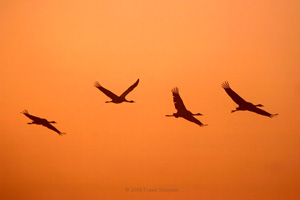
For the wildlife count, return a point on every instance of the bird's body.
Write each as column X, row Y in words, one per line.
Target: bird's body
column 244, row 105
column 182, row 111
column 114, row 97
column 41, row 121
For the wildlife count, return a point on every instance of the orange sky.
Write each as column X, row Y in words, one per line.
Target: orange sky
column 52, row 52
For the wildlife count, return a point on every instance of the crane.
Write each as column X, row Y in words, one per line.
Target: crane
column 181, row 109
column 114, row 97
column 41, row 121
column 244, row 105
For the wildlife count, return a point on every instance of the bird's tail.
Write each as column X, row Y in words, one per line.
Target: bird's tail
column 61, row 134
column 273, row 115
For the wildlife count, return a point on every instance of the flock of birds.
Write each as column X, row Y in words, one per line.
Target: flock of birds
column 182, row 111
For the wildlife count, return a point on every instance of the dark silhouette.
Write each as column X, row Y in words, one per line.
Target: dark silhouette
column 182, row 111
column 40, row 121
column 115, row 98
column 244, row 105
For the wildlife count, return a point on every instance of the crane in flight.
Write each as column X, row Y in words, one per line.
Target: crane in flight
column 115, row 98
column 244, row 105
column 182, row 111
column 41, row 121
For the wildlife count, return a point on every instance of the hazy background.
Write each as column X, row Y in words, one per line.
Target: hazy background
column 52, row 52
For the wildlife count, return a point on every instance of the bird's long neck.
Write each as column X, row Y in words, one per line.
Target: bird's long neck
column 174, row 115
column 129, row 101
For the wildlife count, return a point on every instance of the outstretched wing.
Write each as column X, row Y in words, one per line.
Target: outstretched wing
column 34, row 118
column 234, row 96
column 48, row 125
column 262, row 112
column 105, row 91
column 193, row 119
column 179, row 105
column 130, row 88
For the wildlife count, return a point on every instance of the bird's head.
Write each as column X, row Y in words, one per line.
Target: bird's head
column 53, row 122
column 131, row 101
column 259, row 105
column 199, row 114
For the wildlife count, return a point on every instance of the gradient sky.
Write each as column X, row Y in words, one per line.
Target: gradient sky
column 52, row 52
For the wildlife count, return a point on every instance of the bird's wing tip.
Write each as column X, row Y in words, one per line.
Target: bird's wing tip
column 137, row 82
column 97, row 84
column 175, row 90
column 25, row 111
column 225, row 85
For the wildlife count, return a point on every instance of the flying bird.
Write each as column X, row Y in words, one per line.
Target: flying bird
column 114, row 97
column 244, row 105
column 41, row 121
column 181, row 109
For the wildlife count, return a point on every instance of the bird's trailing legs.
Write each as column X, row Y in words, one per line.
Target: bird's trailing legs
column 170, row 116
column 259, row 105
column 199, row 114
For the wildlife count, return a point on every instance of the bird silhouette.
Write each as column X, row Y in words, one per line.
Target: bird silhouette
column 244, row 105
column 41, row 121
column 181, row 109
column 114, row 97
